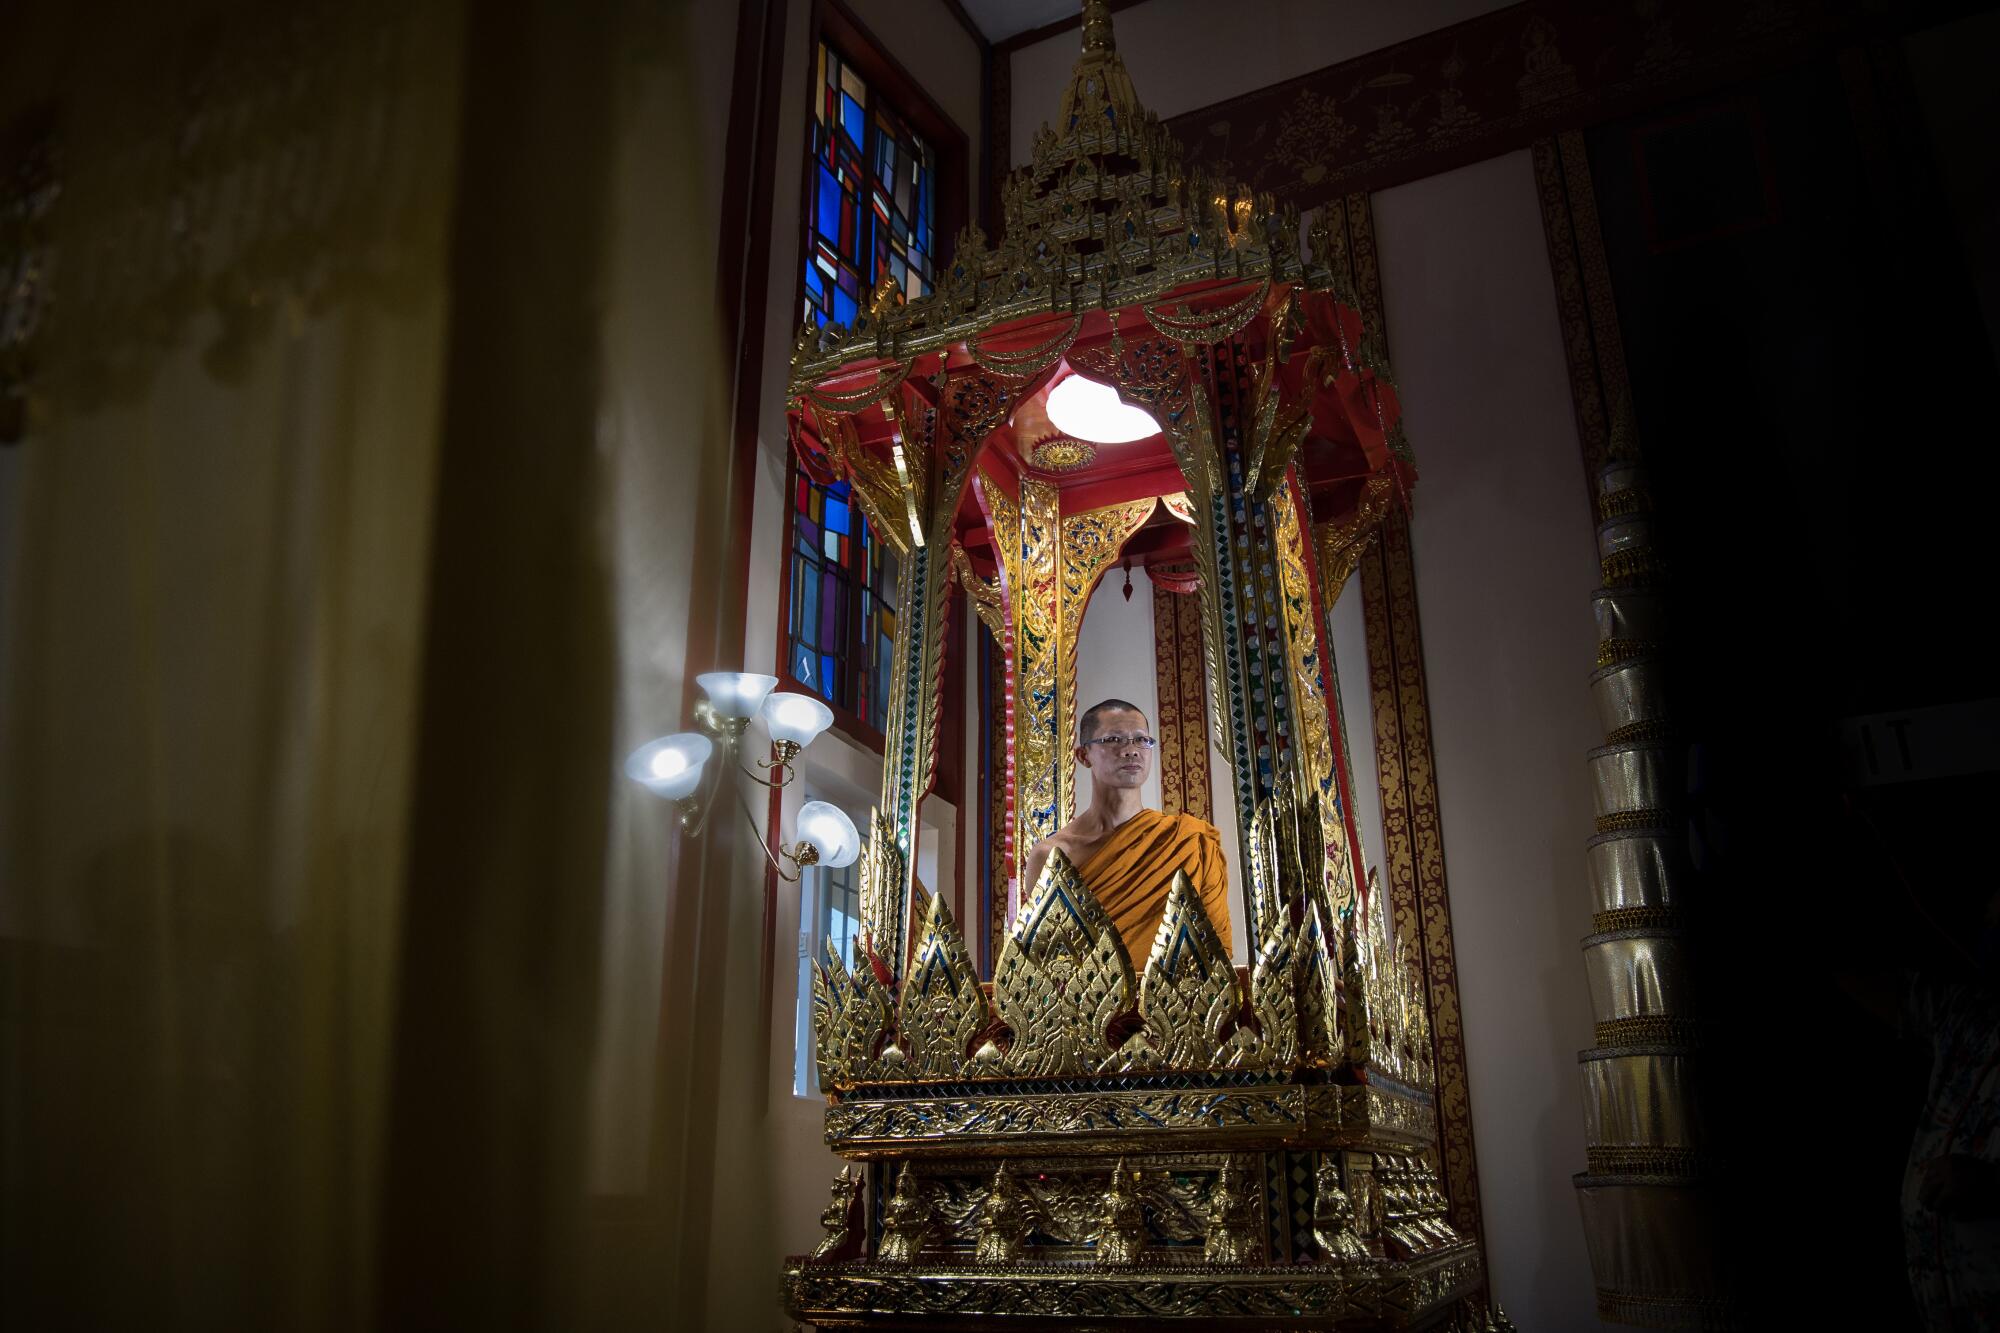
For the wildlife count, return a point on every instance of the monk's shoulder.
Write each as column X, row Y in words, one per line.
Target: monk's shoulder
column 1070, row 839
column 1194, row 826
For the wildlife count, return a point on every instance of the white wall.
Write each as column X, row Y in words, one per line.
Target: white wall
column 1357, row 715
column 1185, row 54
column 1505, row 565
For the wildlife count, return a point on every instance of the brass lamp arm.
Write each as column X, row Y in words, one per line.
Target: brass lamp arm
column 801, row 856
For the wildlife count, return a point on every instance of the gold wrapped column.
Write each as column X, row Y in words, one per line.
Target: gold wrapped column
column 1645, row 1213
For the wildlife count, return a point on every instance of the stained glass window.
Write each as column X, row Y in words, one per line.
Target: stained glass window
column 842, row 619
column 869, row 208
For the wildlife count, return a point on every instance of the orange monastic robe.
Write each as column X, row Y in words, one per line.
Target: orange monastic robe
column 1130, row 874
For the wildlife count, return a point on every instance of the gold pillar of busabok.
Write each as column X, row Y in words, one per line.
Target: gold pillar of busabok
column 1050, row 561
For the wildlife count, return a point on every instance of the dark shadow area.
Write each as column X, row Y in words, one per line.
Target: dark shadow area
column 1809, row 368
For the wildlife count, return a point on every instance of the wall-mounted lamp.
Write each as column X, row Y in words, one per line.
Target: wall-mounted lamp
column 675, row 766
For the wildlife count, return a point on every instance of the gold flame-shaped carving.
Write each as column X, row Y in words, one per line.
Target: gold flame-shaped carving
column 880, row 870
column 1274, row 999
column 1062, row 977
column 1321, row 1040
column 1360, row 995
column 1188, row 994
column 942, row 1006
column 851, row 1013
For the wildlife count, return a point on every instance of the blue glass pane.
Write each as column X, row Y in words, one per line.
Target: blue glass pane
column 836, row 515
column 826, row 673
column 833, row 547
column 844, row 307
column 850, row 117
column 802, row 665
column 813, row 283
column 827, row 213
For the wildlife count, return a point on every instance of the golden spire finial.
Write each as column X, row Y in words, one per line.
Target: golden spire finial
column 1100, row 100
column 1097, row 38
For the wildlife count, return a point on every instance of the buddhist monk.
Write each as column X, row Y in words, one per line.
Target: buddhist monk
column 1126, row 853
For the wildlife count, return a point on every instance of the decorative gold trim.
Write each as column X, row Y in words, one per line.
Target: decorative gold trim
column 1142, row 1119
column 1632, row 566
column 1178, row 659
column 1610, row 652
column 1626, row 500
column 887, row 381
column 1624, row 820
column 1313, row 724
column 1041, row 775
column 1399, row 1296
column 1647, row 1161
column 1062, row 454
column 1029, row 362
column 1211, row 326
column 987, row 602
column 1341, row 545
column 1413, row 852
column 1634, row 918
column 1647, row 1030
column 910, row 452
column 873, row 481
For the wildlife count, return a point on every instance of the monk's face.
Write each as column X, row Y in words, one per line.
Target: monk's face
column 1116, row 765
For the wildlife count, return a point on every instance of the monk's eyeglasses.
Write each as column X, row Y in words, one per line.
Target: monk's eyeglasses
column 1118, row 742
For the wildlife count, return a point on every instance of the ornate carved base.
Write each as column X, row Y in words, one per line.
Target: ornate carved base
column 1360, row 1294
column 1147, row 1204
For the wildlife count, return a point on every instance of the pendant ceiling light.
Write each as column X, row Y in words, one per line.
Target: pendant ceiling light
column 1092, row 411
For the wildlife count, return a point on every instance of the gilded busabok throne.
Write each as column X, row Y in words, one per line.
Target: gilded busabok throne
column 1118, row 1141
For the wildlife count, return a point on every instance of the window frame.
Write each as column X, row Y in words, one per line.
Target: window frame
column 833, row 25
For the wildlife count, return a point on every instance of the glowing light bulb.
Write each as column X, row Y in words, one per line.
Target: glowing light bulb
column 797, row 718
column 1091, row 411
column 670, row 766
column 829, row 830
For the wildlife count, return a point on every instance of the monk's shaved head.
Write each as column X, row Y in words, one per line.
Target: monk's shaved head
column 1086, row 727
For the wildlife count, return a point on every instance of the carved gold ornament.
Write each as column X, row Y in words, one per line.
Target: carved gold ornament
column 841, row 1220
column 1062, row 977
column 942, row 1006
column 1188, row 994
column 907, row 1222
column 987, row 601
column 1063, row 454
